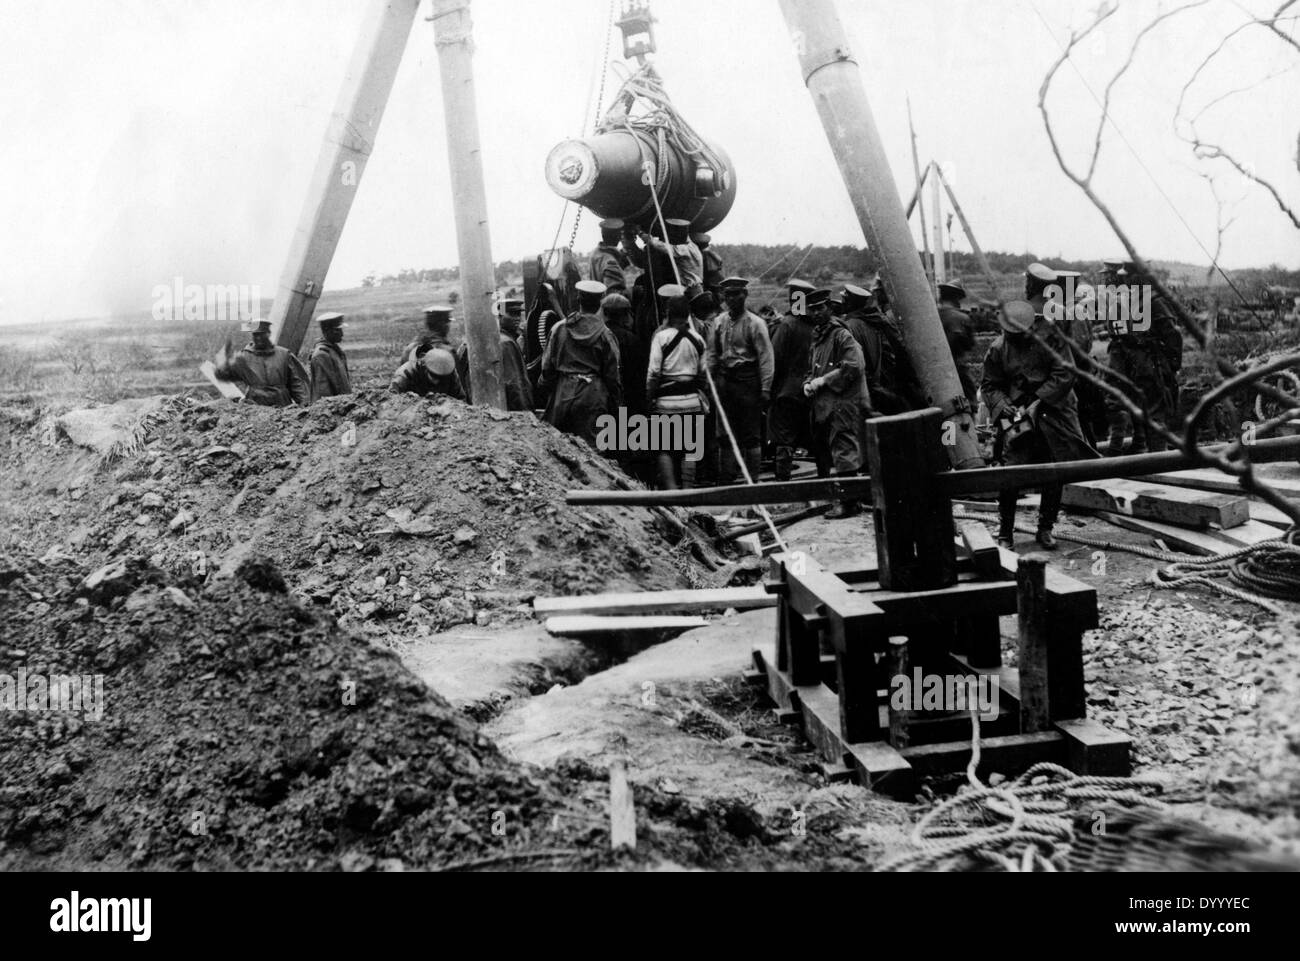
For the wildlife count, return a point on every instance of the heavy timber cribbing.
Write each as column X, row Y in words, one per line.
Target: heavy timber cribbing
column 984, row 480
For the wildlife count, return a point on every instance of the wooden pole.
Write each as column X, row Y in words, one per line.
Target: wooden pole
column 349, row 139
column 452, row 30
column 920, row 206
column 916, row 194
column 980, row 259
column 986, row 480
column 936, row 208
column 835, row 85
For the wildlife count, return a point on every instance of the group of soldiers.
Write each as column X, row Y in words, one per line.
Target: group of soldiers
column 1041, row 382
column 808, row 379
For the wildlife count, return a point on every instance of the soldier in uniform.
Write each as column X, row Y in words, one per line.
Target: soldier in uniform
column 683, row 252
column 713, row 276
column 740, row 359
column 514, row 374
column 675, row 382
column 789, row 420
column 1030, row 397
column 893, row 385
column 329, row 364
column 836, row 388
column 957, row 329
column 272, row 376
column 580, row 370
column 436, row 333
column 1149, row 359
column 430, row 370
column 608, row 262
column 656, row 269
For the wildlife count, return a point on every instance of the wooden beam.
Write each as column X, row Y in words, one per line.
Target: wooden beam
column 1208, row 479
column 582, row 626
column 1031, row 583
column 657, row 602
column 1092, row 750
column 1249, row 534
column 983, row 480
column 983, row 550
column 1178, row 538
column 1010, row 754
column 1183, row 506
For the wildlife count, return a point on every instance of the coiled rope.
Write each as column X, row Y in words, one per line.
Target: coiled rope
column 1025, row 825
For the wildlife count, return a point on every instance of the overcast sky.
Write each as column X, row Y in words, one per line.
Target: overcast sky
column 147, row 139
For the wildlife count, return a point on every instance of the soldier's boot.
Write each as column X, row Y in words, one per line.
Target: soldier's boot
column 783, row 463
column 1007, row 519
column 753, row 461
column 1048, row 511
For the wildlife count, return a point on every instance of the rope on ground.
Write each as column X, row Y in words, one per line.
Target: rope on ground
column 1025, row 825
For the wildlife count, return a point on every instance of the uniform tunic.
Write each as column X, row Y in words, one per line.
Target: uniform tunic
column 741, row 361
column 580, row 375
column 274, row 377
column 607, row 265
column 329, row 371
column 789, row 421
column 840, row 403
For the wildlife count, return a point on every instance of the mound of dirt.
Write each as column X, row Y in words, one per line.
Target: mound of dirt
column 401, row 514
column 235, row 729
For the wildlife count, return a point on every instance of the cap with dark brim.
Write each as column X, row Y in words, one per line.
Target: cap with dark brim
column 735, row 283
column 795, row 283
column 256, row 327
column 592, row 288
column 1041, row 272
column 437, row 311
column 955, row 289
column 331, row 320
column 671, row 290
column 816, row 298
column 612, row 224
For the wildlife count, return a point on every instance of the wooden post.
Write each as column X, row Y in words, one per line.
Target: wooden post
column 936, row 209
column 913, row 519
column 928, row 258
column 855, row 674
column 834, row 82
column 805, row 638
column 340, row 165
column 898, row 667
column 622, row 810
column 980, row 259
column 1031, row 582
column 452, row 30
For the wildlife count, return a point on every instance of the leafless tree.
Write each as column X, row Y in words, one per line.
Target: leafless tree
column 1235, row 460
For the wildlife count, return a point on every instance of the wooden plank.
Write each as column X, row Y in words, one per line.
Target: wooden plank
column 584, row 625
column 983, row 551
column 658, row 602
column 1178, row 538
column 622, row 811
column 1249, row 534
column 1010, row 754
column 882, row 769
column 1268, row 514
column 1091, row 749
column 1186, row 507
column 1208, row 479
column 1034, row 627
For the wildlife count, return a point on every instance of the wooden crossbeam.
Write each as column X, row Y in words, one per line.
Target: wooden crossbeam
column 582, row 626
column 1186, row 507
column 657, row 602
